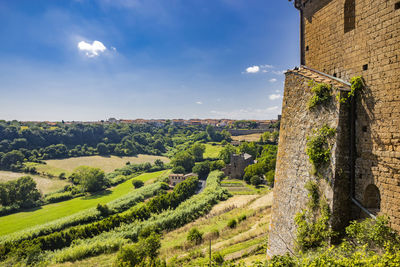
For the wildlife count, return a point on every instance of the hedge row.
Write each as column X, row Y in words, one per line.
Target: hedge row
column 86, row 216
column 142, row 211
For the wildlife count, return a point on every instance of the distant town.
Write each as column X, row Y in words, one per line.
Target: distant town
column 222, row 123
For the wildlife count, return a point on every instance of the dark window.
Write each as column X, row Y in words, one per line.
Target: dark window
column 349, row 15
column 397, row 6
column 365, row 67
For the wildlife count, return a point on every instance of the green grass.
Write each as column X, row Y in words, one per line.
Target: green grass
column 22, row 220
column 212, row 151
column 107, row 163
column 240, row 187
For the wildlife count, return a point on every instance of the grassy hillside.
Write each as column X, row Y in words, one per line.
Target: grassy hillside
column 45, row 185
column 22, row 220
column 242, row 244
column 245, row 240
column 107, row 163
column 212, row 151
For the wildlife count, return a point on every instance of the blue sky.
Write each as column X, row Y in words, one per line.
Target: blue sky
column 95, row 59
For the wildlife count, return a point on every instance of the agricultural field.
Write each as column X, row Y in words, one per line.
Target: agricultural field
column 244, row 243
column 23, row 220
column 107, row 163
column 212, row 151
column 44, row 185
column 247, row 239
column 240, row 187
column 248, row 137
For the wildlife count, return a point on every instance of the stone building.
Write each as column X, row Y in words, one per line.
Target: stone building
column 341, row 39
column 235, row 169
column 176, row 178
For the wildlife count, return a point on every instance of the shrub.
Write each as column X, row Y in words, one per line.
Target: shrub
column 143, row 253
column 242, row 218
column 58, row 197
column 270, row 177
column 255, row 180
column 137, row 183
column 178, row 169
column 218, row 258
column 103, row 209
column 195, row 236
column 202, row 169
column 62, row 176
column 232, row 223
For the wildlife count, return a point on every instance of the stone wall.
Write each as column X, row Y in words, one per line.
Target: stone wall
column 371, row 49
column 293, row 168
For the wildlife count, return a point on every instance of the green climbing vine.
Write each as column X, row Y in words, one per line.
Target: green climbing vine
column 318, row 149
column 322, row 93
column 313, row 228
column 357, row 84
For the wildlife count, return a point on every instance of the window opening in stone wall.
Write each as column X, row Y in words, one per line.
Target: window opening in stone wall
column 372, row 199
column 397, row 6
column 349, row 15
column 365, row 67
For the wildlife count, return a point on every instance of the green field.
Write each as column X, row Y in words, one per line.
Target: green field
column 212, row 151
column 22, row 220
column 107, row 163
column 240, row 187
column 45, row 185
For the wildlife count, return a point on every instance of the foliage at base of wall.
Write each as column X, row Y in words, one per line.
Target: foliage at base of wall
column 367, row 243
column 313, row 229
column 322, row 94
column 318, row 148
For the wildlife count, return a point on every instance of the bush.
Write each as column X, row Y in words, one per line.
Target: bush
column 270, row 177
column 195, row 236
column 137, row 183
column 202, row 169
column 255, row 180
column 178, row 169
column 218, row 258
column 242, row 218
column 62, row 176
column 103, row 209
column 58, row 197
column 232, row 223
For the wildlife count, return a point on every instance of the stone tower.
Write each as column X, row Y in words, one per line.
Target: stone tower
column 341, row 39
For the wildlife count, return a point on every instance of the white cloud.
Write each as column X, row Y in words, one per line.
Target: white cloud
column 275, row 96
column 264, row 71
column 199, row 103
column 272, row 80
column 253, row 69
column 266, row 66
column 258, row 114
column 92, row 50
column 278, row 72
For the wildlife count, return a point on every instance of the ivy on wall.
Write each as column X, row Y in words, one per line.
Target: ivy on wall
column 357, row 84
column 318, row 149
column 322, row 93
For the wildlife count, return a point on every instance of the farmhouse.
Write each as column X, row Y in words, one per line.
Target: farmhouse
column 176, row 178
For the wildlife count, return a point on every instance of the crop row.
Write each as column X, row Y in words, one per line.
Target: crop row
column 186, row 212
column 85, row 216
column 58, row 240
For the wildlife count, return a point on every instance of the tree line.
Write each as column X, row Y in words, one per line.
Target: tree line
column 34, row 142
